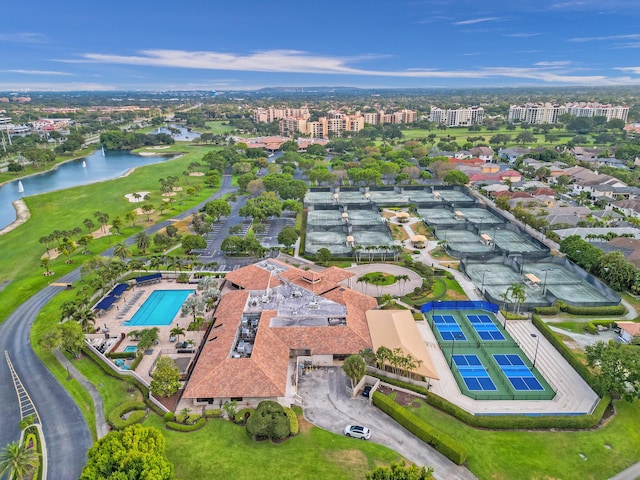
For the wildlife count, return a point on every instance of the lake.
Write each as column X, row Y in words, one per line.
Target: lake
column 71, row 174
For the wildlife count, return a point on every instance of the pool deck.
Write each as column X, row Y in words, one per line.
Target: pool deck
column 116, row 325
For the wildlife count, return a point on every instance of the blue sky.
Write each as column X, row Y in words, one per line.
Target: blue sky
column 160, row 45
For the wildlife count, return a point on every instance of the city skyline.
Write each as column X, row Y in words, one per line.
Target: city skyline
column 413, row 44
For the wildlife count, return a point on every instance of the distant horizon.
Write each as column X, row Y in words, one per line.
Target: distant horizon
column 160, row 46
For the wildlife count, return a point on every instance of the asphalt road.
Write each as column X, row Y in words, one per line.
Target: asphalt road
column 66, row 433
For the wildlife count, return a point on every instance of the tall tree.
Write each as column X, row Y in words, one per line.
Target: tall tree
column 618, row 368
column 355, row 368
column 165, row 378
column 143, row 242
column 135, row 453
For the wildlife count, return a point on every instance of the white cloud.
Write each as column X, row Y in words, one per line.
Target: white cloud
column 635, row 70
column 609, row 37
column 23, row 37
column 521, row 35
column 38, row 72
column 559, row 63
column 55, row 87
column 473, row 21
column 292, row 61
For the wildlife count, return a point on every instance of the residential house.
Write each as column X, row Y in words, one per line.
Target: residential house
column 483, row 153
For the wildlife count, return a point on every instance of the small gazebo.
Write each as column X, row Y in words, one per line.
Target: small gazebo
column 402, row 217
column 418, row 241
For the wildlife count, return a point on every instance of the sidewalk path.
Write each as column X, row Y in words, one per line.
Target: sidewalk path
column 101, row 425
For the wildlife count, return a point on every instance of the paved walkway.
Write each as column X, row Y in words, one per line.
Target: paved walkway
column 101, row 425
column 399, row 288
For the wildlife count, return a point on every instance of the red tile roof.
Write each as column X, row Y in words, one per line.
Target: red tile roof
column 264, row 374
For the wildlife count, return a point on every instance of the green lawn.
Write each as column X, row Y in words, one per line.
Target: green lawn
column 49, row 316
column 223, row 450
column 521, row 455
column 461, row 134
column 216, row 127
column 64, row 210
column 383, row 279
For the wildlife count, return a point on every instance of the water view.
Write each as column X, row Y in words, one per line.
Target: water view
column 83, row 171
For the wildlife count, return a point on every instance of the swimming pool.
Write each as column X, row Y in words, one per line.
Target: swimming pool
column 159, row 309
column 130, row 348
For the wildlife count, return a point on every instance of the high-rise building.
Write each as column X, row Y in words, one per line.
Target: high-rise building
column 538, row 113
column 459, row 117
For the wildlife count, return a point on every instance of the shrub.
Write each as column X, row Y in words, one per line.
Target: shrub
column 293, row 421
column 138, row 412
column 553, row 310
column 215, row 413
column 595, row 311
column 417, row 316
column 181, row 427
column 121, row 355
column 188, row 419
column 269, row 421
column 242, row 415
column 136, row 362
column 442, row 442
column 169, row 417
column 183, row 278
column 439, row 273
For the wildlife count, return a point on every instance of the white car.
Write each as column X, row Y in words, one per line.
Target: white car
column 357, row 431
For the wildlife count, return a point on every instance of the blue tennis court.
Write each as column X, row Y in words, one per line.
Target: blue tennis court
column 448, row 328
column 520, row 376
column 475, row 376
column 486, row 329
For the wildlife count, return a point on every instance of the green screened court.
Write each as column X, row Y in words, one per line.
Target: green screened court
column 485, row 361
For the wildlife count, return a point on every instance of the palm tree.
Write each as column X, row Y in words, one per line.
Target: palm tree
column 89, row 225
column 176, row 332
column 142, row 241
column 404, row 279
column 18, row 461
column 85, row 317
column 131, row 217
column 386, row 299
column 45, row 264
column 517, row 294
column 120, row 250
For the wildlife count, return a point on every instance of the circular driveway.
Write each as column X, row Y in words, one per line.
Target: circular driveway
column 400, row 288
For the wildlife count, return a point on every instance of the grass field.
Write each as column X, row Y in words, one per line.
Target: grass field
column 48, row 317
column 521, row 455
column 64, row 210
column 461, row 134
column 216, row 127
column 226, row 449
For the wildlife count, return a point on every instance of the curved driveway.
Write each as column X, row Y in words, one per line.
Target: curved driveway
column 326, row 404
column 66, row 433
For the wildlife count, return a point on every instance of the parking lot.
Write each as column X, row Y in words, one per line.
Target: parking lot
column 327, row 404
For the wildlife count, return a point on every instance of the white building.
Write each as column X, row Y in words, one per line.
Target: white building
column 459, row 117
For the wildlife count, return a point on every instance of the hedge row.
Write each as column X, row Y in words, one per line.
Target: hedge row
column 188, row 419
column 138, row 410
column 442, row 442
column 595, row 311
column 293, row 421
column 567, row 354
column 215, row 413
column 506, row 422
column 181, row 427
column 521, row 422
column 584, row 311
column 121, row 355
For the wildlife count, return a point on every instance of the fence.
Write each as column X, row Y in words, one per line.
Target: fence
column 460, row 305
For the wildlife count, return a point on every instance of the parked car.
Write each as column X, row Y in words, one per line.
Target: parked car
column 366, row 391
column 356, row 431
